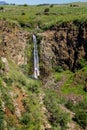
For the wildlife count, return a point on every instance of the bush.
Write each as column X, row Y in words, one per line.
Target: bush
column 22, row 81
column 85, row 87
column 23, row 13
column 81, row 118
column 57, row 117
column 8, row 81
column 33, row 88
column 83, row 105
column 46, row 10
column 25, row 5
column 81, row 63
column 51, row 5
column 69, row 105
column 25, row 119
column 1, row 118
column 1, row 8
column 58, row 69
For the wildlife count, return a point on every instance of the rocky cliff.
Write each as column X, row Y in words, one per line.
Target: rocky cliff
column 64, row 45
column 13, row 41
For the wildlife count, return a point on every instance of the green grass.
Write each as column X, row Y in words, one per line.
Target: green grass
column 32, row 117
column 57, row 118
column 56, row 14
column 75, row 82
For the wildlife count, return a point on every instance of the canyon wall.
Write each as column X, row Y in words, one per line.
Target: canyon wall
column 64, row 45
column 13, row 41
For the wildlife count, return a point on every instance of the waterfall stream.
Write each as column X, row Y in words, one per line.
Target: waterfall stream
column 36, row 58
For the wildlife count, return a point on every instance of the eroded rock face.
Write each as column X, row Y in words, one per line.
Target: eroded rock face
column 13, row 42
column 64, row 45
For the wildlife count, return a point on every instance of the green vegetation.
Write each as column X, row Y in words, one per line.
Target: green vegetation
column 80, row 111
column 73, row 88
column 75, row 83
column 1, row 116
column 58, row 69
column 58, row 118
column 46, row 10
column 34, row 15
column 81, row 118
column 81, row 63
column 32, row 117
column 1, row 8
column 45, row 17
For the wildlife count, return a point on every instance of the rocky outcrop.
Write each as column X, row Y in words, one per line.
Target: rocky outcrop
column 64, row 45
column 13, row 41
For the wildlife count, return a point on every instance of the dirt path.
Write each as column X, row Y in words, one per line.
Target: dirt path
column 17, row 96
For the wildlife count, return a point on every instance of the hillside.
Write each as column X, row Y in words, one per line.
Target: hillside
column 57, row 100
column 31, row 16
column 16, row 89
column 3, row 3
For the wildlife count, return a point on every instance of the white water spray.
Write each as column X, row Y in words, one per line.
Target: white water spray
column 36, row 58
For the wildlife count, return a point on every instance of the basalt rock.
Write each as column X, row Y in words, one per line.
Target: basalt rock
column 13, row 41
column 64, row 45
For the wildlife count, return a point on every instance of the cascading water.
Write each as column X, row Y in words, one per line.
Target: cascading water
column 36, row 58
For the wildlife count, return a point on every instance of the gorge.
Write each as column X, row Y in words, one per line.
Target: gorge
column 43, row 67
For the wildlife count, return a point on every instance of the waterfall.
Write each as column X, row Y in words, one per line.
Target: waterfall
column 36, row 58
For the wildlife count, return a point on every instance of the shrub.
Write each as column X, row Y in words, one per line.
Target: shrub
column 22, row 81
column 33, row 88
column 58, row 69
column 57, row 117
column 85, row 87
column 1, row 8
column 1, row 118
column 69, row 105
column 23, row 13
column 8, row 81
column 81, row 63
column 46, row 10
column 71, row 5
column 51, row 5
column 81, row 118
column 25, row 5
column 25, row 119
column 82, row 105
column 8, row 102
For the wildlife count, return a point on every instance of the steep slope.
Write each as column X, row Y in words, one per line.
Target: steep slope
column 64, row 45
column 58, row 103
column 20, row 104
column 13, row 41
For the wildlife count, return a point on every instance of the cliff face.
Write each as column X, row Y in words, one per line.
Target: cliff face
column 64, row 45
column 13, row 42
